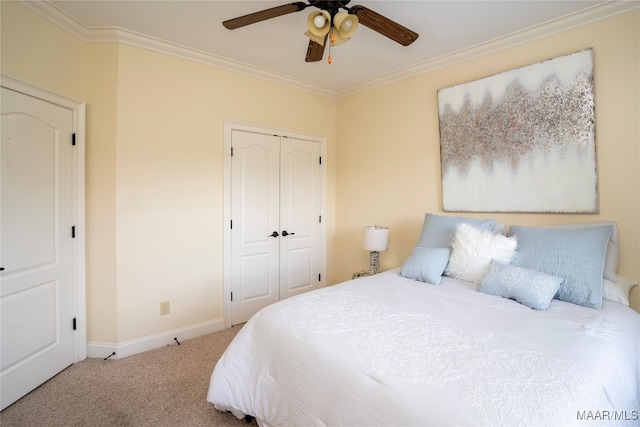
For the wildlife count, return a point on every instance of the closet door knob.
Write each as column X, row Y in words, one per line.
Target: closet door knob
column 274, row 234
column 285, row 233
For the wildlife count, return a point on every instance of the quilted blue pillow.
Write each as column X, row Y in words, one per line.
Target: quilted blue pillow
column 426, row 264
column 529, row 287
column 438, row 231
column 575, row 255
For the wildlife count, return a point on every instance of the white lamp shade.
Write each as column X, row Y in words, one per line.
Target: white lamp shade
column 375, row 238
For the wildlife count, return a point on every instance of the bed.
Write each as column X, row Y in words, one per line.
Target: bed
column 391, row 349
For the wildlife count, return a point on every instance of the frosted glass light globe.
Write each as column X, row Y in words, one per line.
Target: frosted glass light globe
column 318, row 21
column 347, row 25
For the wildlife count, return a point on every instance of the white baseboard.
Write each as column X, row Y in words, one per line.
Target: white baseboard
column 151, row 342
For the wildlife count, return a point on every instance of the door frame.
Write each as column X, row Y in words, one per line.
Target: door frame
column 229, row 126
column 78, row 110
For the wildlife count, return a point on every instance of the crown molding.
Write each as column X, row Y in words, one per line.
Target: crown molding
column 119, row 35
column 578, row 19
column 131, row 38
column 58, row 17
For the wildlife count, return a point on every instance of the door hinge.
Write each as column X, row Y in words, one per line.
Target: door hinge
column 73, row 232
column 231, row 151
column 319, row 277
column 320, row 219
column 74, row 323
column 320, row 159
column 231, row 296
column 231, row 224
column 73, row 139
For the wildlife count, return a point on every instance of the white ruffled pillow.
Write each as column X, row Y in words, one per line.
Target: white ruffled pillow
column 473, row 250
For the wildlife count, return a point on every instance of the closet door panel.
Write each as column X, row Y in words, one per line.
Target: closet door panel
column 299, row 217
column 255, row 209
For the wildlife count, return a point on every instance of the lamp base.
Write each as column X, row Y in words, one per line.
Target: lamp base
column 374, row 262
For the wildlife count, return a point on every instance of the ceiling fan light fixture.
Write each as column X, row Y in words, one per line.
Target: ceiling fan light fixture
column 345, row 24
column 337, row 39
column 319, row 23
column 318, row 39
column 328, row 20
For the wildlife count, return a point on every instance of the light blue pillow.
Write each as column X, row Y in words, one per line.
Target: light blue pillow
column 438, row 231
column 426, row 264
column 529, row 287
column 576, row 255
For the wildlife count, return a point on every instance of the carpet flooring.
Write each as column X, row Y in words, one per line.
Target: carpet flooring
column 162, row 387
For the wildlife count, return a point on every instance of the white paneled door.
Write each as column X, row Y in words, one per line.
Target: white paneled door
column 276, row 216
column 36, row 253
column 299, row 216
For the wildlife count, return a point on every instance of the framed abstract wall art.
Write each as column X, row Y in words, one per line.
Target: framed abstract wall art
column 522, row 140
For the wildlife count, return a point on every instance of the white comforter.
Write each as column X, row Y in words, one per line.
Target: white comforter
column 385, row 350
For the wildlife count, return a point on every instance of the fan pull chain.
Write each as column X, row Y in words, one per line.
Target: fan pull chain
column 332, row 39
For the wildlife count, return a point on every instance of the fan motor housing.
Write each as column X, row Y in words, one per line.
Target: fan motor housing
column 331, row 6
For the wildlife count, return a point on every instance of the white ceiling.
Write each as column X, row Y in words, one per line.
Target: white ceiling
column 276, row 48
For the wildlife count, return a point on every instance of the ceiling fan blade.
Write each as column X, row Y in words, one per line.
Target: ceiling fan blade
column 263, row 15
column 315, row 51
column 384, row 25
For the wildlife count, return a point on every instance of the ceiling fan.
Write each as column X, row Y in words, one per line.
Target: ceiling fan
column 329, row 22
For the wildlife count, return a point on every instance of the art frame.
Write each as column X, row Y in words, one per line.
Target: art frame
column 522, row 140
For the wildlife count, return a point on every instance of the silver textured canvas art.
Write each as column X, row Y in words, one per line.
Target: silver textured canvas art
column 522, row 140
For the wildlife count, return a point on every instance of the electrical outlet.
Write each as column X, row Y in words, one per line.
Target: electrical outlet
column 164, row 308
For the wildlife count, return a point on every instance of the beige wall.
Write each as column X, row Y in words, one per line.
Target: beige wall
column 52, row 59
column 169, row 180
column 154, row 167
column 388, row 146
column 100, row 189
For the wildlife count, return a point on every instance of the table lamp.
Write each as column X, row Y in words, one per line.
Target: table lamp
column 375, row 239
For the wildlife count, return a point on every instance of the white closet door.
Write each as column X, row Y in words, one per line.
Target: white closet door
column 275, row 214
column 300, row 256
column 255, row 187
column 36, row 290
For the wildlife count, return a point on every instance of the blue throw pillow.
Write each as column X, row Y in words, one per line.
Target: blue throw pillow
column 575, row 255
column 529, row 287
column 426, row 264
column 438, row 231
